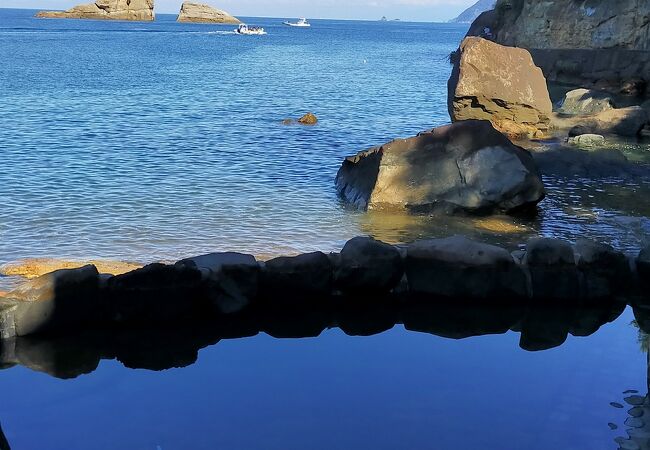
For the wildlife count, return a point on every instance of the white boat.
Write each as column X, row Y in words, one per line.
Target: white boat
column 245, row 29
column 302, row 23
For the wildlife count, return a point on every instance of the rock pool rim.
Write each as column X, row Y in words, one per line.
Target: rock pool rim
column 550, row 272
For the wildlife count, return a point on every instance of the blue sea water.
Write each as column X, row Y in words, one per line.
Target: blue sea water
column 155, row 141
column 152, row 141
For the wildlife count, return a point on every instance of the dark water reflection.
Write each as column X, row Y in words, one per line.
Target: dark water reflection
column 347, row 375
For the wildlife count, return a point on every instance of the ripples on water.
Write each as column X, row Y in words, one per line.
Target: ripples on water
column 153, row 141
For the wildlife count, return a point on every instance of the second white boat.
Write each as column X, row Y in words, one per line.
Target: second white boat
column 302, row 23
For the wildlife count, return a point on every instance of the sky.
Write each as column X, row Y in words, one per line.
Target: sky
column 416, row 10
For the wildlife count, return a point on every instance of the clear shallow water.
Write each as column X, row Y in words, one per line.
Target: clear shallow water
column 397, row 389
column 155, row 141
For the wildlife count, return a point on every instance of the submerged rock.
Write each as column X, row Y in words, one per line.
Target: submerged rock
column 499, row 84
column 201, row 13
column 587, row 140
column 137, row 10
column 586, row 102
column 466, row 166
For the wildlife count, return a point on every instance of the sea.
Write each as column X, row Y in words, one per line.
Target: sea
column 146, row 142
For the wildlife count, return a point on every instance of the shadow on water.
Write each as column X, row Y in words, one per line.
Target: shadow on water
column 541, row 327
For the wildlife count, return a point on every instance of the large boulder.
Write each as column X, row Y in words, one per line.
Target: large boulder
column 306, row 277
column 368, row 266
column 459, row 268
column 466, row 166
column 499, row 84
column 64, row 300
column 201, row 13
column 137, row 10
column 621, row 121
column 586, row 102
column 156, row 293
column 231, row 279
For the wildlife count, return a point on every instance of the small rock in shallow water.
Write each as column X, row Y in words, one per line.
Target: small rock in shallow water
column 634, row 422
column 587, row 140
column 631, row 391
column 308, row 119
column 634, row 400
column 612, row 426
column 637, row 411
column 616, row 405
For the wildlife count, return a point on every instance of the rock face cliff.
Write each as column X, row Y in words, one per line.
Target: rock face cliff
column 201, row 13
column 586, row 42
column 137, row 10
column 571, row 24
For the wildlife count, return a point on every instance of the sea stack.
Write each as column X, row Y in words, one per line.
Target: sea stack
column 201, row 13
column 135, row 10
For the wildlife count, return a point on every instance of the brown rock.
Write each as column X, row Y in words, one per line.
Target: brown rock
column 308, row 119
column 36, row 267
column 136, row 10
column 202, row 13
column 502, row 85
column 467, row 166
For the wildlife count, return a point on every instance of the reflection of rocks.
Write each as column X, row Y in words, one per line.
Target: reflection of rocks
column 162, row 347
column 4, row 444
column 499, row 84
column 467, row 166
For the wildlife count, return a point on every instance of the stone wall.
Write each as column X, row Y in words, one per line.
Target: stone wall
column 210, row 289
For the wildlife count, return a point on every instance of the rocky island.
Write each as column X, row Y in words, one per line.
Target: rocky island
column 136, row 10
column 201, row 13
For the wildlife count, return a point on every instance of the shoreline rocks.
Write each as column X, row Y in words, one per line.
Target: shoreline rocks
column 192, row 12
column 499, row 84
column 218, row 288
column 466, row 167
column 130, row 10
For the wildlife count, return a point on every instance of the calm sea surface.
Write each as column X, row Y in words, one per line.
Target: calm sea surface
column 153, row 141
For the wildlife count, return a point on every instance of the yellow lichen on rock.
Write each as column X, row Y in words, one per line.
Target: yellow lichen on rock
column 35, row 267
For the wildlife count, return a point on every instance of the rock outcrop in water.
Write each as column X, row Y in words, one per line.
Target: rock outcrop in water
column 598, row 42
column 499, row 84
column 201, row 13
column 136, row 10
column 467, row 166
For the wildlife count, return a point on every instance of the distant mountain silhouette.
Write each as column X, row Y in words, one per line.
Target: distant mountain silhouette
column 471, row 13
